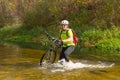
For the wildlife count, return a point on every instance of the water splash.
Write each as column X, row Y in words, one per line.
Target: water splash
column 77, row 65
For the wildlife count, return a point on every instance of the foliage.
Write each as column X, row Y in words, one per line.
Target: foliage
column 45, row 13
column 99, row 38
column 98, row 13
column 91, row 37
column 95, row 21
column 22, row 34
column 110, row 44
column 2, row 22
column 6, row 13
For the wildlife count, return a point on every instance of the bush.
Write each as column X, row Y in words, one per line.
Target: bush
column 46, row 13
column 92, row 35
column 110, row 44
column 98, row 37
column 2, row 22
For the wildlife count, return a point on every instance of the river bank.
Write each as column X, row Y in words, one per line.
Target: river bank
column 88, row 37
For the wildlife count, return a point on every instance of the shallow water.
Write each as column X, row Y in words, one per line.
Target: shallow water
column 23, row 64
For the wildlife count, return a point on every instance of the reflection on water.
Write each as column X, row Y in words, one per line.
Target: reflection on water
column 23, row 64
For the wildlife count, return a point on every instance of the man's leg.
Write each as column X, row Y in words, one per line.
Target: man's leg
column 62, row 55
column 68, row 51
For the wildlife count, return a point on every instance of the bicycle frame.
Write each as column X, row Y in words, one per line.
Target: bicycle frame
column 50, row 55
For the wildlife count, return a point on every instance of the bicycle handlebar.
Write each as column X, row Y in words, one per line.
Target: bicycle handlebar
column 56, row 41
column 49, row 37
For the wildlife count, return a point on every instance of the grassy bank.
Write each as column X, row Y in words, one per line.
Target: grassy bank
column 102, row 39
column 19, row 34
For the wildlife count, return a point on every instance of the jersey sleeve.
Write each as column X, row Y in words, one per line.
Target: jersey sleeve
column 70, row 33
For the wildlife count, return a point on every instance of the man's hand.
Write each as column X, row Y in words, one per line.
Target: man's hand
column 60, row 41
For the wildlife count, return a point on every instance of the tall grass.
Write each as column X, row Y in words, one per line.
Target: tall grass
column 107, row 39
column 23, row 35
column 88, row 37
column 109, row 44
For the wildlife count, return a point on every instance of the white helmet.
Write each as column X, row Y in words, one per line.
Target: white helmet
column 64, row 22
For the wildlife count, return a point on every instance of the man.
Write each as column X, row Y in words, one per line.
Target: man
column 66, row 38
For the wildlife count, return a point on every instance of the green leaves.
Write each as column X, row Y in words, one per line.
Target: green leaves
column 104, row 39
column 109, row 44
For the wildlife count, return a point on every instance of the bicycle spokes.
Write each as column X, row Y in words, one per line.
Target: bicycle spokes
column 48, row 57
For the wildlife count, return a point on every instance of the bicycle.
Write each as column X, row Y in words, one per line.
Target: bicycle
column 49, row 56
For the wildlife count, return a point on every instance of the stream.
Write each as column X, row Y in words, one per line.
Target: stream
column 18, row 63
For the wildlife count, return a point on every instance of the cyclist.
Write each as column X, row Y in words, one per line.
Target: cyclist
column 66, row 38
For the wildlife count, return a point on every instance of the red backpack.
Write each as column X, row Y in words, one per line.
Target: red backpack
column 75, row 38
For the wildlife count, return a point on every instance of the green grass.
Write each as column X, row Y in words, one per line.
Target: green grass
column 20, row 34
column 92, row 37
column 104, row 39
column 109, row 44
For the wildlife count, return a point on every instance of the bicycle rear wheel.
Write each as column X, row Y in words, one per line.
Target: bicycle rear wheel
column 48, row 57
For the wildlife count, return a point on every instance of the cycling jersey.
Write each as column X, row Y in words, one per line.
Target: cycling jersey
column 65, row 35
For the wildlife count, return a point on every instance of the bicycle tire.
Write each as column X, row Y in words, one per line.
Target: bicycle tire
column 48, row 57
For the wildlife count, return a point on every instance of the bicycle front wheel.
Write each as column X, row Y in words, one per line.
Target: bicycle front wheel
column 48, row 57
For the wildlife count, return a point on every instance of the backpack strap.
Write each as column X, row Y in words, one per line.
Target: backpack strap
column 66, row 33
column 68, row 30
column 62, row 31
